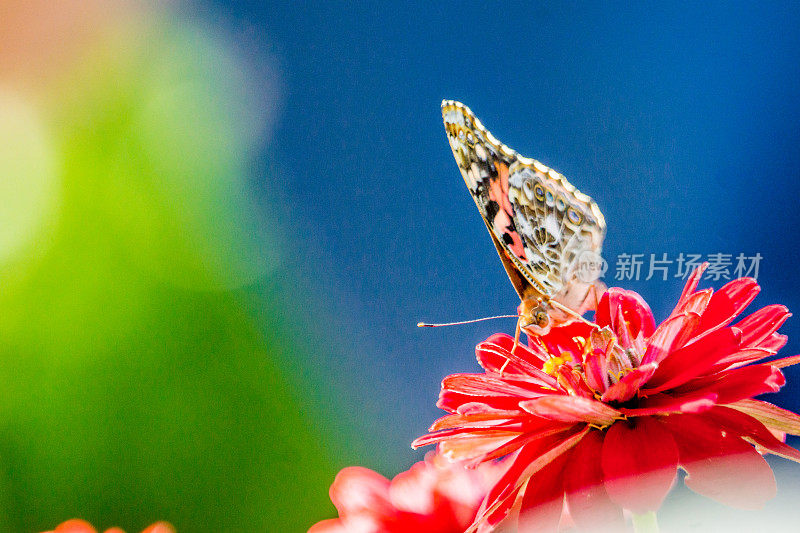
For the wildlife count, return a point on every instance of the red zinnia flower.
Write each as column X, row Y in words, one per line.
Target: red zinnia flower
column 600, row 416
column 433, row 496
column 81, row 526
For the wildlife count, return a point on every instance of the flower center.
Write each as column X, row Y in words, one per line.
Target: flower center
column 552, row 365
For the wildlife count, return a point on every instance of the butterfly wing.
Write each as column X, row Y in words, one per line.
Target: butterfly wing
column 541, row 225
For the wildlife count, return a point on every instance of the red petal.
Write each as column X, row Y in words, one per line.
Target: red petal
column 587, row 500
column 489, row 521
column 562, row 339
column 751, row 429
column 158, row 527
column 596, row 370
column 531, row 354
column 628, row 386
column 739, row 383
column 334, row 525
column 473, row 456
column 478, row 408
column 719, row 466
column 543, row 498
column 476, row 420
column 786, row 361
column 770, row 415
column 563, row 408
column 476, row 450
column 529, row 460
column 572, row 381
column 728, row 302
column 501, row 435
column 696, row 303
column 501, row 432
column 454, row 402
column 496, row 358
column 414, row 489
column 75, row 526
column 669, row 336
column 662, row 404
column 760, row 325
column 625, row 312
column 740, row 358
column 487, row 385
column 357, row 489
column 774, row 342
column 639, row 460
column 622, row 330
column 694, row 359
column 691, row 283
column 495, row 392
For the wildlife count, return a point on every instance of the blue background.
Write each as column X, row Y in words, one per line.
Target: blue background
column 681, row 120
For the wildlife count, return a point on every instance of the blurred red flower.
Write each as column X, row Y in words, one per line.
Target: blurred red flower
column 81, row 526
column 597, row 418
column 433, row 496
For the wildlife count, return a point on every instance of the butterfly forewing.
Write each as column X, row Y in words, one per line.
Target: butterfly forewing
column 540, row 224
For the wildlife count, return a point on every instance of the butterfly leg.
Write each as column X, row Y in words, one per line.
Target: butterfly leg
column 523, row 313
column 516, row 343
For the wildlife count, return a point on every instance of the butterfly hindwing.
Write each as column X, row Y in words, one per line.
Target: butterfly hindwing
column 539, row 222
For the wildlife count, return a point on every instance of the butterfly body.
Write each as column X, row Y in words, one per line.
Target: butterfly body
column 544, row 229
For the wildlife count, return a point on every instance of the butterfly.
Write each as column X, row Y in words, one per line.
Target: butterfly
column 548, row 234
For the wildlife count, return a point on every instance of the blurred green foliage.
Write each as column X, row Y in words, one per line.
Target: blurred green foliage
column 136, row 384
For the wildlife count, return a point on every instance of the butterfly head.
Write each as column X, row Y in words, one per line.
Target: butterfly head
column 535, row 316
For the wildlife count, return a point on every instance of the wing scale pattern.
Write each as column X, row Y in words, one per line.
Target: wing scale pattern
column 538, row 221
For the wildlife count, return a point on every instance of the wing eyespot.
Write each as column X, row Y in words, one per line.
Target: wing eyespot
column 539, row 193
column 527, row 190
column 574, row 216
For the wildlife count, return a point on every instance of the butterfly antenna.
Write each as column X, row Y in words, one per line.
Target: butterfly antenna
column 426, row 325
